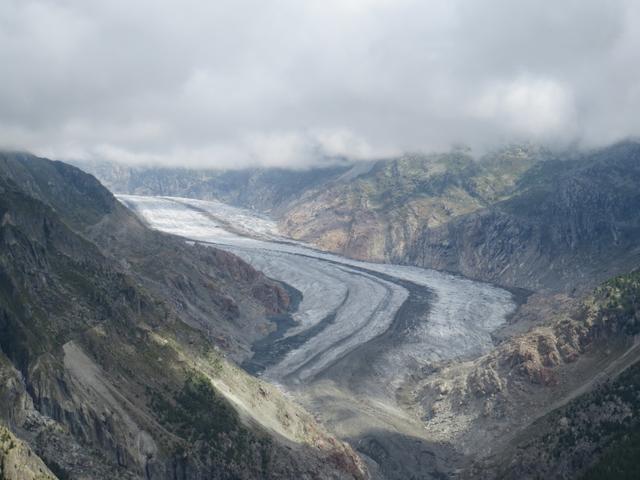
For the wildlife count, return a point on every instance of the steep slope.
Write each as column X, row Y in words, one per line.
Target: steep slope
column 594, row 433
column 212, row 290
column 378, row 213
column 104, row 378
column 499, row 410
column 571, row 223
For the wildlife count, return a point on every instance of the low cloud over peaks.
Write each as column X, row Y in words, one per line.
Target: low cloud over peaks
column 288, row 83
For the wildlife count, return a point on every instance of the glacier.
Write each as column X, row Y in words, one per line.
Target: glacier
column 362, row 299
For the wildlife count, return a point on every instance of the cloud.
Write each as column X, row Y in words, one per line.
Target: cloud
column 535, row 107
column 247, row 82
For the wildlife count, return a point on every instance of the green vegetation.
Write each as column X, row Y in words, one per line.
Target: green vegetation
column 621, row 460
column 204, row 419
column 597, row 434
column 601, row 425
column 621, row 456
column 393, row 184
column 197, row 413
column 619, row 301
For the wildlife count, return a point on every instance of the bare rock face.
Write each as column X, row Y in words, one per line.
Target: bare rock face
column 535, row 355
column 568, row 224
column 378, row 214
column 485, row 382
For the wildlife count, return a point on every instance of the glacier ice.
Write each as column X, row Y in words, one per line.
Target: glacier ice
column 365, row 297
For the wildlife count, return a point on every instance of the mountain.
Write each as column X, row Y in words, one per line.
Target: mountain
column 521, row 216
column 341, row 207
column 212, row 290
column 379, row 212
column 570, row 223
column 113, row 341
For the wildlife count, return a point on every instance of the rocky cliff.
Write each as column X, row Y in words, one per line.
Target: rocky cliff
column 378, row 212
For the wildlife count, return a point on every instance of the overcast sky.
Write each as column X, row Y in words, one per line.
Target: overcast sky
column 260, row 82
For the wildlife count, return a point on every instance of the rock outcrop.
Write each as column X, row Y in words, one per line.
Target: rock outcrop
column 503, row 408
column 17, row 460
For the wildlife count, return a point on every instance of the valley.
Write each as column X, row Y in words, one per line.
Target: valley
column 430, row 374
column 358, row 331
column 228, row 347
